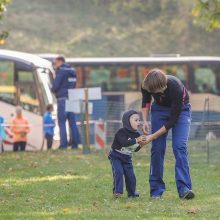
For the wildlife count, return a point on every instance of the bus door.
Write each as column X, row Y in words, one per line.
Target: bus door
column 29, row 100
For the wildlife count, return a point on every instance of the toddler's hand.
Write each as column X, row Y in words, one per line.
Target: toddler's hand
column 142, row 140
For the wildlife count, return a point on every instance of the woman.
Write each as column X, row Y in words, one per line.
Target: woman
column 170, row 110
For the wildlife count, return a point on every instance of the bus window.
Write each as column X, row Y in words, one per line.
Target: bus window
column 180, row 71
column 124, row 79
column 98, row 76
column 112, row 78
column 205, row 80
column 28, row 96
column 7, row 88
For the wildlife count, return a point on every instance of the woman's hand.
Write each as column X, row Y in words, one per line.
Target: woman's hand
column 149, row 138
column 155, row 135
column 145, row 139
column 145, row 127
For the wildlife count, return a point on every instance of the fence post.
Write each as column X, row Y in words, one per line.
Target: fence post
column 86, row 148
column 84, row 118
column 208, row 139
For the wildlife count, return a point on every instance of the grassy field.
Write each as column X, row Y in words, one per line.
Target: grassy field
column 63, row 185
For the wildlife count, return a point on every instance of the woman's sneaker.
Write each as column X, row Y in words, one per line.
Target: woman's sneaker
column 187, row 195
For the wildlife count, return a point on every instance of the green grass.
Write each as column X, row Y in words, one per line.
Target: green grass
column 62, row 185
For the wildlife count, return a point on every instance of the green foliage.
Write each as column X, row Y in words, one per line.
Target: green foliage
column 3, row 34
column 3, row 4
column 102, row 28
column 207, row 13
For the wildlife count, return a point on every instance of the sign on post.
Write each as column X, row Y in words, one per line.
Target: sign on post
column 77, row 106
column 79, row 94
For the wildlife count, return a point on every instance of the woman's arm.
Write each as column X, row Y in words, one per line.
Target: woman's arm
column 145, row 113
column 156, row 134
column 146, row 102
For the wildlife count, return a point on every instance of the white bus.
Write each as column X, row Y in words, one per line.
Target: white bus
column 25, row 81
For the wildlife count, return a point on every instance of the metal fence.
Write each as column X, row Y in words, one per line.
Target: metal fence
column 204, row 137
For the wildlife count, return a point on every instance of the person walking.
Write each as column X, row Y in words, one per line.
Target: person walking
column 65, row 79
column 170, row 110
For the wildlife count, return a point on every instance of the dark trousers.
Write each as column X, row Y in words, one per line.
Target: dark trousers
column 180, row 133
column 49, row 139
column 62, row 117
column 122, row 167
column 20, row 145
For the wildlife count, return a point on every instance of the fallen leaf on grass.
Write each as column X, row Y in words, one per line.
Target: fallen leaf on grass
column 128, row 206
column 17, row 158
column 192, row 211
column 66, row 210
column 138, row 164
column 95, row 204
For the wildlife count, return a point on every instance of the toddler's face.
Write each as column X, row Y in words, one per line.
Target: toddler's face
column 135, row 121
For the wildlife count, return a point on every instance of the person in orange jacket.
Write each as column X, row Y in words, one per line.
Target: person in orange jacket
column 19, row 128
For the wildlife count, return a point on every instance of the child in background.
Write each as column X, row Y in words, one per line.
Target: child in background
column 2, row 133
column 19, row 128
column 49, row 125
column 126, row 141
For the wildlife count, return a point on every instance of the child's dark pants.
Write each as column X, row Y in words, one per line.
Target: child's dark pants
column 19, row 145
column 122, row 166
column 49, row 139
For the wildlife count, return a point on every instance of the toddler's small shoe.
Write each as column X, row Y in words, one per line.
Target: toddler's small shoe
column 134, row 196
column 117, row 195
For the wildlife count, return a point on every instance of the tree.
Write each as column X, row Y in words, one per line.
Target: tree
column 3, row 33
column 207, row 13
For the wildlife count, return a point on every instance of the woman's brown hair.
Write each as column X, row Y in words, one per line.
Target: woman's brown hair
column 155, row 80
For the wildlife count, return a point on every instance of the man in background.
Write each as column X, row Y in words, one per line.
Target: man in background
column 65, row 79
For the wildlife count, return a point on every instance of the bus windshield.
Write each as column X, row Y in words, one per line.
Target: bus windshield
column 45, row 84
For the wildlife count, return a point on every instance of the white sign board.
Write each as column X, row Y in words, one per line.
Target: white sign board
column 79, row 94
column 75, row 106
